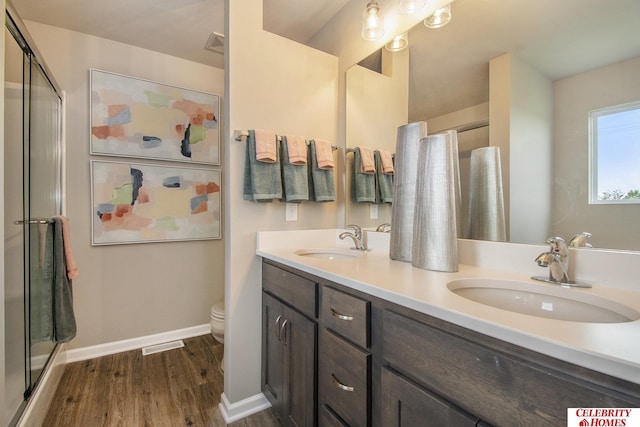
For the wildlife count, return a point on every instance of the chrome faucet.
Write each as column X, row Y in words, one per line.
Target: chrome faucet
column 384, row 228
column 580, row 240
column 557, row 260
column 357, row 235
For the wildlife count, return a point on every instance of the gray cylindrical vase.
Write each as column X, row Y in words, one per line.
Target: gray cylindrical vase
column 404, row 189
column 485, row 219
column 436, row 218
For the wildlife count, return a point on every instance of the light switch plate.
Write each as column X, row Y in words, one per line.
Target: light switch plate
column 291, row 212
column 373, row 211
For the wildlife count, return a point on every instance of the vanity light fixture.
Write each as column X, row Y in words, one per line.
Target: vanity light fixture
column 398, row 43
column 372, row 22
column 439, row 18
column 411, row 6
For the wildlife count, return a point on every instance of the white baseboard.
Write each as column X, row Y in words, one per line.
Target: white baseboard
column 38, row 404
column 91, row 352
column 235, row 411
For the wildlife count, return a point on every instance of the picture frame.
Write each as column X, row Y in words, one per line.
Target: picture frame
column 144, row 203
column 133, row 117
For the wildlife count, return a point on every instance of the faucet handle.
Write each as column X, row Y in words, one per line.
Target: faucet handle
column 580, row 240
column 557, row 245
column 356, row 229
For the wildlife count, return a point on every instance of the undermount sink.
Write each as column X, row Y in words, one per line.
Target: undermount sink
column 549, row 301
column 329, row 253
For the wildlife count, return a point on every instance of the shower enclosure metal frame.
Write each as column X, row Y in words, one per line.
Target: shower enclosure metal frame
column 42, row 187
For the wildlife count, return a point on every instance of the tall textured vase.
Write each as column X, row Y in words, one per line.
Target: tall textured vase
column 404, row 189
column 437, row 207
column 485, row 219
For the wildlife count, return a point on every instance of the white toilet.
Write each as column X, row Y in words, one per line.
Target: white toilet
column 217, row 325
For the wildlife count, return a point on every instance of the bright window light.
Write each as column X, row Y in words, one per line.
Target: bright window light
column 614, row 143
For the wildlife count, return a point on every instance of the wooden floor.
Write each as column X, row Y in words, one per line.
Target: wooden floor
column 179, row 387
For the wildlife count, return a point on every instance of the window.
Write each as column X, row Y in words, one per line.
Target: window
column 614, row 144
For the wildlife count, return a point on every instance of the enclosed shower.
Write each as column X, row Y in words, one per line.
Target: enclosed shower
column 32, row 196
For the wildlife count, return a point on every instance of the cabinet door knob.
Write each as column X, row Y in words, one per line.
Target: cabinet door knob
column 341, row 316
column 340, row 385
column 277, row 327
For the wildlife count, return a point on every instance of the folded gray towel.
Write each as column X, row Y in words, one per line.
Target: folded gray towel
column 262, row 181
column 364, row 184
column 64, row 321
column 295, row 178
column 384, row 182
column 321, row 183
column 41, row 278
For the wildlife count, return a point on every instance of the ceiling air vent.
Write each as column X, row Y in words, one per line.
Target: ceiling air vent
column 215, row 43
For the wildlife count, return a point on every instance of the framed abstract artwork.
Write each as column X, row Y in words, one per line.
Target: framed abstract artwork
column 140, row 203
column 139, row 118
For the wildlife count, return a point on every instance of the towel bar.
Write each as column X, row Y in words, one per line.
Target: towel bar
column 239, row 134
column 33, row 221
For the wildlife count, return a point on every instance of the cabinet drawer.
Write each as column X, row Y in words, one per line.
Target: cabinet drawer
column 343, row 379
column 295, row 290
column 327, row 418
column 347, row 315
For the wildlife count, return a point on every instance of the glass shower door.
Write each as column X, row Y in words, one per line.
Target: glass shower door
column 42, row 195
column 32, row 195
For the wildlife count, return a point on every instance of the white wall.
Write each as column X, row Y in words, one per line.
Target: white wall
column 612, row 226
column 126, row 291
column 271, row 83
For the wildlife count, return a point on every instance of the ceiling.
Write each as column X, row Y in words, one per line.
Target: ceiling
column 179, row 28
column 449, row 66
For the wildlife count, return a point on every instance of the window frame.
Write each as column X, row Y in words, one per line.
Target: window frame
column 593, row 152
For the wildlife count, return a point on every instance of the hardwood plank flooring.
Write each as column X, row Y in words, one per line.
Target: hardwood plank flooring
column 179, row 387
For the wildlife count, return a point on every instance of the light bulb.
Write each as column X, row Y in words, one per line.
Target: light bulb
column 411, row 6
column 372, row 26
column 439, row 18
column 398, row 43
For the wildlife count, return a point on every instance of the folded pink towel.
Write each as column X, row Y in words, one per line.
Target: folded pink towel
column 297, row 149
column 72, row 269
column 324, row 154
column 387, row 162
column 266, row 146
column 367, row 163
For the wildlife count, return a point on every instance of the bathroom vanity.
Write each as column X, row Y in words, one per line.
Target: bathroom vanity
column 337, row 351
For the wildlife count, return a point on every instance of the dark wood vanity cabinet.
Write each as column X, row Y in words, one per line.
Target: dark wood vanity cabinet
column 369, row 362
column 289, row 337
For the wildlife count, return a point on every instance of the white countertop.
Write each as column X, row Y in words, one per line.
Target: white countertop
column 610, row 348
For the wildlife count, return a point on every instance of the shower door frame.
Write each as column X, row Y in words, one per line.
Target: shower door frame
column 32, row 63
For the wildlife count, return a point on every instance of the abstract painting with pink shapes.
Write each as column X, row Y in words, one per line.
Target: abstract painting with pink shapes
column 134, row 117
column 139, row 203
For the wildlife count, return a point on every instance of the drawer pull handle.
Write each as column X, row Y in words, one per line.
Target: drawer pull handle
column 277, row 329
column 340, row 385
column 341, row 316
column 283, row 332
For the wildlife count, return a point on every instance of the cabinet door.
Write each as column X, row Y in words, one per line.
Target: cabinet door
column 406, row 404
column 299, row 343
column 272, row 354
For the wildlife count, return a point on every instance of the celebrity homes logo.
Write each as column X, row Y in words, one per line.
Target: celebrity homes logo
column 603, row 417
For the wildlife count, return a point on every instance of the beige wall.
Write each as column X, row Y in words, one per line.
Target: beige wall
column 3, row 407
column 272, row 83
column 126, row 291
column 612, row 226
column 370, row 97
column 521, row 115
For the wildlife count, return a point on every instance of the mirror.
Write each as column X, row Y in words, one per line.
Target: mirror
column 539, row 68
